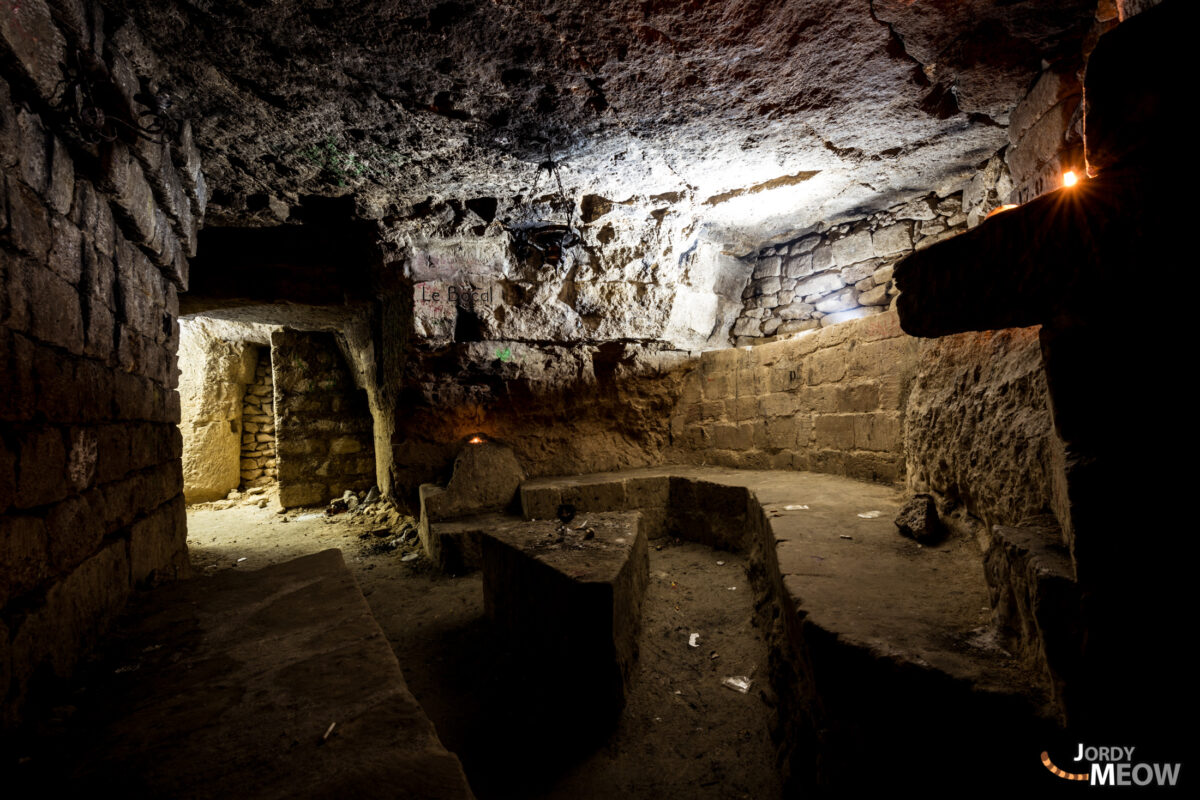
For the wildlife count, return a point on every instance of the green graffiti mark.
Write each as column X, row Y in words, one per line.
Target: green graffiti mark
column 344, row 165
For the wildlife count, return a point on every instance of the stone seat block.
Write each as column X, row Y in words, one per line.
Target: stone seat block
column 571, row 605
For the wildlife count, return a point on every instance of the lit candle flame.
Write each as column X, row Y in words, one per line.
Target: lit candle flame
column 1070, row 178
column 475, row 440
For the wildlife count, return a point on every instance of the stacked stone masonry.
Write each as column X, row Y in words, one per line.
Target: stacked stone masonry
column 1045, row 129
column 842, row 273
column 92, row 255
column 1046, row 134
column 258, row 426
column 832, row 401
column 324, row 437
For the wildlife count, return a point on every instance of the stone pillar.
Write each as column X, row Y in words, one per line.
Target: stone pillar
column 213, row 379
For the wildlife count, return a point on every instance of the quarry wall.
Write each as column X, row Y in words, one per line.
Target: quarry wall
column 842, row 273
column 212, row 380
column 831, row 401
column 323, row 433
column 564, row 410
column 94, row 238
column 978, row 432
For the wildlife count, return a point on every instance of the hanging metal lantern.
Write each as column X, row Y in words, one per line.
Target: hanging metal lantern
column 549, row 239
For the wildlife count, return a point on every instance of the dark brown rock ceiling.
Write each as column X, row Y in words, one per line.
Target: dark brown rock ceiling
column 832, row 103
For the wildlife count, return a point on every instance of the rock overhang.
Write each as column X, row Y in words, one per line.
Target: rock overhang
column 757, row 119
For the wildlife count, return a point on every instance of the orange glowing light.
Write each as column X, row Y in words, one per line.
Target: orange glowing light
column 1001, row 209
column 1070, row 178
column 475, row 440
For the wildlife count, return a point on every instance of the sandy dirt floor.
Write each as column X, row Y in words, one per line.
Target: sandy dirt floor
column 682, row 733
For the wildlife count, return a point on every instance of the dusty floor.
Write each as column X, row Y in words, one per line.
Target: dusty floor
column 682, row 733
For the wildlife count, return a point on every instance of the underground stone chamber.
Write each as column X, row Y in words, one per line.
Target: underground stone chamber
column 283, row 414
column 544, row 400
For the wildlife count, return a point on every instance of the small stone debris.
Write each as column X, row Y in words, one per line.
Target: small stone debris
column 919, row 520
column 694, row 640
column 720, row 563
column 844, row 536
column 871, row 514
column 410, row 557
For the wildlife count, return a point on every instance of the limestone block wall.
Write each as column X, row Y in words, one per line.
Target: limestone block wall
column 212, row 380
column 842, row 273
column 323, row 432
column 258, row 466
column 93, row 251
column 1045, row 131
column 832, row 401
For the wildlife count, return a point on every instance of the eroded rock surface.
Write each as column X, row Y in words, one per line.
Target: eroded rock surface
column 722, row 105
column 918, row 519
column 978, row 431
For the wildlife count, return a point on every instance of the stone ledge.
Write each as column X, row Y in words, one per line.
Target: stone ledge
column 879, row 646
column 245, row 673
column 1035, row 599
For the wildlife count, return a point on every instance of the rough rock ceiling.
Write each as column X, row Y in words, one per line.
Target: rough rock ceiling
column 773, row 114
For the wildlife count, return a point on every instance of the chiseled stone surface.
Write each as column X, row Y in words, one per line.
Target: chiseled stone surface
column 871, row 127
column 829, row 401
column 90, row 468
column 485, row 478
column 979, row 428
column 1035, row 599
column 572, row 605
column 560, row 408
column 213, row 380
